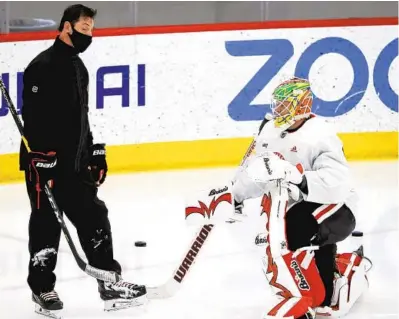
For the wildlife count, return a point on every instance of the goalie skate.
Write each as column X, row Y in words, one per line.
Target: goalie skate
column 48, row 305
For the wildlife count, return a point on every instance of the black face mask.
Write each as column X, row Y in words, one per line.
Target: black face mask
column 80, row 41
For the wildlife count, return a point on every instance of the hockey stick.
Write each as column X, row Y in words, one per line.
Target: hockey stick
column 91, row 271
column 173, row 284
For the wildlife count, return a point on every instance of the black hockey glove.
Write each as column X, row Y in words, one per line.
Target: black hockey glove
column 41, row 170
column 98, row 163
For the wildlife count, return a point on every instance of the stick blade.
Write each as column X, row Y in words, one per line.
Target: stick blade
column 167, row 290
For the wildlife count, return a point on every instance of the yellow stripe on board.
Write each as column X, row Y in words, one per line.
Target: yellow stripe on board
column 370, row 146
column 211, row 153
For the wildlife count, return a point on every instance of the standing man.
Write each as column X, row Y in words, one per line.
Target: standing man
column 56, row 124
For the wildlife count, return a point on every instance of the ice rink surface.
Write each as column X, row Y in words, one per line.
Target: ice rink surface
column 226, row 282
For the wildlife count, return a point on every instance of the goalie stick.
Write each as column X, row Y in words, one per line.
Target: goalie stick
column 173, row 284
column 91, row 271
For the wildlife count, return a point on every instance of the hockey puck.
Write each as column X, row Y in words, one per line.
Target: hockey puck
column 140, row 244
column 357, row 233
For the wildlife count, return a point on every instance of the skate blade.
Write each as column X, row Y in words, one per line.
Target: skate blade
column 56, row 314
column 117, row 304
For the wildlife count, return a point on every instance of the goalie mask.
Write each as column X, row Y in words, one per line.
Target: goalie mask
column 291, row 101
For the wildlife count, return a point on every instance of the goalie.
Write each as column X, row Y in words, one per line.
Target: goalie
column 298, row 148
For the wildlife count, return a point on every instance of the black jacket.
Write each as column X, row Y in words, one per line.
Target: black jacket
column 55, row 107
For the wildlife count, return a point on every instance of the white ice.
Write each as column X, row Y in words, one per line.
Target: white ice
column 226, row 282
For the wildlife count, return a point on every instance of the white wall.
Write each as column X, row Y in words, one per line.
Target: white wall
column 191, row 81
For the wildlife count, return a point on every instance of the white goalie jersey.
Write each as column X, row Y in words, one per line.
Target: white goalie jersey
column 320, row 151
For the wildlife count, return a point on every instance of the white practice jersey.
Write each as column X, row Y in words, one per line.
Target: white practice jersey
column 317, row 147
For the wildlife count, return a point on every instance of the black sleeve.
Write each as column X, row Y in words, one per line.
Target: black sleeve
column 90, row 138
column 89, row 133
column 86, row 98
column 38, row 112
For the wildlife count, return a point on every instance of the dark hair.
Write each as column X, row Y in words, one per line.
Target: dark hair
column 73, row 13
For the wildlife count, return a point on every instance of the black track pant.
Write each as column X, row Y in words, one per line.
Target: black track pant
column 302, row 229
column 78, row 200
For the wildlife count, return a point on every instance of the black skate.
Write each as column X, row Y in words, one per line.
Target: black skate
column 121, row 295
column 48, row 304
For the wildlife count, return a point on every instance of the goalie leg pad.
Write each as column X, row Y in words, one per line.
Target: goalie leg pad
column 297, row 283
column 293, row 275
column 293, row 307
column 351, row 283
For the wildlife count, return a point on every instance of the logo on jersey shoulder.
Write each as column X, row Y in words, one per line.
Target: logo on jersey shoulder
column 302, row 283
column 35, row 89
column 294, row 149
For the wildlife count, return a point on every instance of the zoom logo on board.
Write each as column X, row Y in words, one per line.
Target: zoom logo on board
column 278, row 52
column 103, row 90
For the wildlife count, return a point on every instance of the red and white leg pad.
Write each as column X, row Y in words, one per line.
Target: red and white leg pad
column 293, row 276
column 349, row 285
column 295, row 279
column 294, row 307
